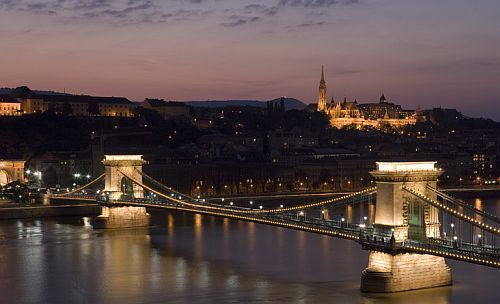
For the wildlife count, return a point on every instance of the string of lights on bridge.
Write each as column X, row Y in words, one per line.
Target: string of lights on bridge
column 80, row 188
column 454, row 212
column 251, row 215
column 281, row 209
column 454, row 256
column 354, row 236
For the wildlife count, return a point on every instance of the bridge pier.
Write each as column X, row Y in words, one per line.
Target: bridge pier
column 121, row 217
column 404, row 271
column 119, row 187
column 399, row 218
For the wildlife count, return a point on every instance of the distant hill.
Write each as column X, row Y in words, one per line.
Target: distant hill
column 290, row 103
column 5, row 91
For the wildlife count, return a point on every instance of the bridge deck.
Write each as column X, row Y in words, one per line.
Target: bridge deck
column 472, row 253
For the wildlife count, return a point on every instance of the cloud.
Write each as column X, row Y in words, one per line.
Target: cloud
column 113, row 11
column 308, row 3
column 312, row 23
column 229, row 13
column 252, row 12
column 239, row 20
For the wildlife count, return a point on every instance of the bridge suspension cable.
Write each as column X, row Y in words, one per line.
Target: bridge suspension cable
column 474, row 252
column 454, row 212
column 463, row 204
column 81, row 188
column 196, row 203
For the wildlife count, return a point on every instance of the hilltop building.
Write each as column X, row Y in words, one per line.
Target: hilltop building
column 375, row 115
column 22, row 100
column 9, row 107
column 167, row 109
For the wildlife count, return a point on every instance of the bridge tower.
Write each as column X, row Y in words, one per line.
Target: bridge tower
column 399, row 217
column 118, row 186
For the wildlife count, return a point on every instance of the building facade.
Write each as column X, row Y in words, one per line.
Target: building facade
column 167, row 109
column 376, row 115
column 30, row 102
column 9, row 107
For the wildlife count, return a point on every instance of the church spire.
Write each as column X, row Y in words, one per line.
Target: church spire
column 322, row 92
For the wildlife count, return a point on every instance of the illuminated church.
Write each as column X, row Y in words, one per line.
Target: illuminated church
column 375, row 115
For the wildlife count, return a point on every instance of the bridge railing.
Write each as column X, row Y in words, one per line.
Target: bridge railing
column 365, row 235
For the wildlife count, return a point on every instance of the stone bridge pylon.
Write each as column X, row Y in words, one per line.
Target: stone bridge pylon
column 117, row 186
column 399, row 217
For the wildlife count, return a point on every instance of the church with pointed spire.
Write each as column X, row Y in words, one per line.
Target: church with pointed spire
column 322, row 101
column 346, row 113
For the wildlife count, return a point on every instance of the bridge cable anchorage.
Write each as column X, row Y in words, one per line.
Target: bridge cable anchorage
column 79, row 189
column 460, row 203
column 454, row 212
column 362, row 193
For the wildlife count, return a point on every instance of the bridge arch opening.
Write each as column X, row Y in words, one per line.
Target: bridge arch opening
column 127, row 188
column 416, row 220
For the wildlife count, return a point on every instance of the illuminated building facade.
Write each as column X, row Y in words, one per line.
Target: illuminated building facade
column 375, row 115
column 31, row 102
column 9, row 107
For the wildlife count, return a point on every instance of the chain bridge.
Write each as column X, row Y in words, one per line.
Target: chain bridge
column 406, row 223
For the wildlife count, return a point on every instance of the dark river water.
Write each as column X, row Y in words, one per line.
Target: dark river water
column 187, row 258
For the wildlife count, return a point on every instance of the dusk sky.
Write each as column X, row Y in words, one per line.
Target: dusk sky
column 428, row 52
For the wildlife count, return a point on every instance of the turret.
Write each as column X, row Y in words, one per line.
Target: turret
column 383, row 99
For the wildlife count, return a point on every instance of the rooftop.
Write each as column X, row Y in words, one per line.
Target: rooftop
column 26, row 93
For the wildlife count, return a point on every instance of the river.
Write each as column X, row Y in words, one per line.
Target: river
column 187, row 258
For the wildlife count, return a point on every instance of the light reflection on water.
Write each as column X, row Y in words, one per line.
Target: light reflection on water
column 199, row 259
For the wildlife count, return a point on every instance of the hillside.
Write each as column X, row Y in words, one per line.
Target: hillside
column 290, row 103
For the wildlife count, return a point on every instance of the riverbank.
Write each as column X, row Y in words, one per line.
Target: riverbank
column 49, row 211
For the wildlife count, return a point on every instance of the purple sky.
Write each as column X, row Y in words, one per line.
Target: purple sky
column 427, row 52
